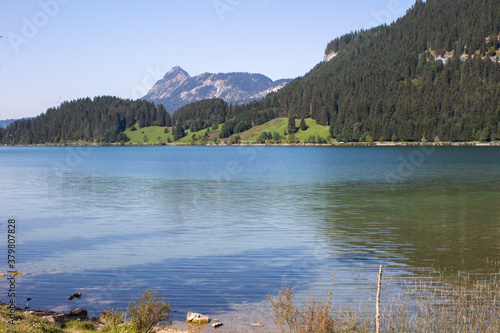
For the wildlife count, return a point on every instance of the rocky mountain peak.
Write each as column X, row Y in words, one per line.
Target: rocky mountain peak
column 177, row 88
column 177, row 71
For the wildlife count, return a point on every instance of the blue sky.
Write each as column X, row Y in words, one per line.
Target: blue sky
column 56, row 50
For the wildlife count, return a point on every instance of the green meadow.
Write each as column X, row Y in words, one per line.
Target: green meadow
column 156, row 134
column 280, row 125
column 149, row 135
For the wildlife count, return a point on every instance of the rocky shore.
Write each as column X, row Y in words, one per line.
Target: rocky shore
column 59, row 320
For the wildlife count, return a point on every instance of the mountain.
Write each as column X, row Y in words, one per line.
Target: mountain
column 177, row 88
column 7, row 122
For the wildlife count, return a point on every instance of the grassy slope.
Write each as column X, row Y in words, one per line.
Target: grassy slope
column 276, row 125
column 152, row 134
column 211, row 135
column 313, row 129
column 279, row 125
column 155, row 132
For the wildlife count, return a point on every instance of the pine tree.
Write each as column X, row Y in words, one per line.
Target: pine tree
column 291, row 125
column 178, row 132
column 160, row 115
column 303, row 125
column 168, row 120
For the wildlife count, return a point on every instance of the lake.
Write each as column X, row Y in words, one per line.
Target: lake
column 216, row 229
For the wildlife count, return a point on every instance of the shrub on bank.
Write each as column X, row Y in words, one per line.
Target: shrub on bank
column 149, row 310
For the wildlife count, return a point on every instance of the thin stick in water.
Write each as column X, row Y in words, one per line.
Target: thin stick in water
column 377, row 315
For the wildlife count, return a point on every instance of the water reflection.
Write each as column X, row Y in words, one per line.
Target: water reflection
column 124, row 220
column 451, row 226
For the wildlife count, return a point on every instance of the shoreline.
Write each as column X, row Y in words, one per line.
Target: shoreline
column 176, row 323
column 254, row 144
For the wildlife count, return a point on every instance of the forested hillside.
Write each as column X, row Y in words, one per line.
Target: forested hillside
column 386, row 83
column 102, row 119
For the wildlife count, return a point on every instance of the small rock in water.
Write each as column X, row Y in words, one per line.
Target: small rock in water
column 218, row 324
column 197, row 318
column 77, row 295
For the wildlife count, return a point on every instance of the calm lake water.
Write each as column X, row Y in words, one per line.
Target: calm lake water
column 216, row 229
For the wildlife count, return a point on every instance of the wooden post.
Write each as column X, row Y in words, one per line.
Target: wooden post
column 377, row 315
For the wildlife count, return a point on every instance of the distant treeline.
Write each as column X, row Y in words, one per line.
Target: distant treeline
column 102, row 119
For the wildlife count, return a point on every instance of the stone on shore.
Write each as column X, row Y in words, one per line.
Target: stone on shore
column 197, row 318
column 79, row 313
column 55, row 319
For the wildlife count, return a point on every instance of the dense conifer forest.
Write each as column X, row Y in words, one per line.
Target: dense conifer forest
column 386, row 82
column 102, row 119
column 433, row 74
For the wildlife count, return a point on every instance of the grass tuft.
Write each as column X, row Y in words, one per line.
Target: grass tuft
column 472, row 306
column 312, row 316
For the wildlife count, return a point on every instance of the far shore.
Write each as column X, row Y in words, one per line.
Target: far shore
column 250, row 144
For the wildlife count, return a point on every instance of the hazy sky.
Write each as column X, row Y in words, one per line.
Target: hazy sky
column 56, row 50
